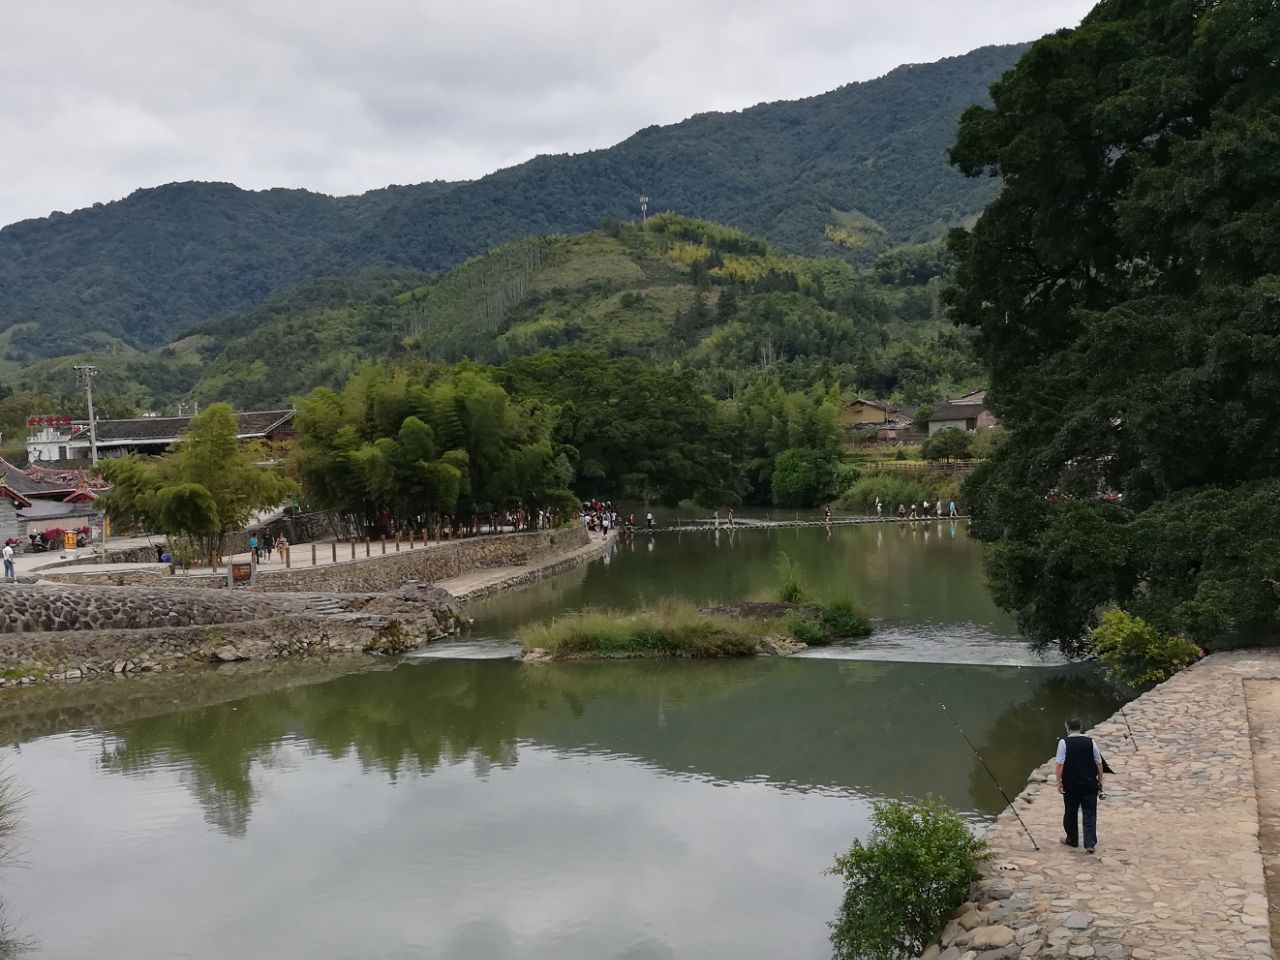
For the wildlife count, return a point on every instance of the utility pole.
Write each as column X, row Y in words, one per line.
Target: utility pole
column 86, row 372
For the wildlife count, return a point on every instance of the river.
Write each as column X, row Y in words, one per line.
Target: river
column 468, row 806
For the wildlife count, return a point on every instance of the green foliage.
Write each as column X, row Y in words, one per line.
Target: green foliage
column 903, row 882
column 164, row 259
column 807, row 631
column 801, row 477
column 1136, row 654
column 892, row 489
column 186, row 508
column 843, row 619
column 433, row 441
column 208, row 485
column 635, row 432
column 790, row 588
column 672, row 628
column 949, row 444
column 1123, row 290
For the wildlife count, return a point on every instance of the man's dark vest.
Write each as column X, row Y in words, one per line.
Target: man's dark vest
column 1079, row 772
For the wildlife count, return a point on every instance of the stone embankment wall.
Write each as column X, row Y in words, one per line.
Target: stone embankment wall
column 1178, row 873
column 69, row 633
column 426, row 564
column 42, row 609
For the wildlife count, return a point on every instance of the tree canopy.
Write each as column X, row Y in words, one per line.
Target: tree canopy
column 1125, row 287
column 207, row 485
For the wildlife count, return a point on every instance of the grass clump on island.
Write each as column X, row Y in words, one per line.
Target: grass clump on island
column 676, row 628
column 672, row 628
column 829, row 622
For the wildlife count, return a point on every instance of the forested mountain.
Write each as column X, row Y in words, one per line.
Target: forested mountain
column 684, row 293
column 849, row 172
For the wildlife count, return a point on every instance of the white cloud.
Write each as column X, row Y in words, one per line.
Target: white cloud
column 102, row 98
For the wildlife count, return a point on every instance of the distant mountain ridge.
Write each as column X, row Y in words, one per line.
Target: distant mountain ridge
column 847, row 172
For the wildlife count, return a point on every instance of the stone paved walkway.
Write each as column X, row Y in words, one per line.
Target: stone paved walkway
column 1179, row 871
column 490, row 580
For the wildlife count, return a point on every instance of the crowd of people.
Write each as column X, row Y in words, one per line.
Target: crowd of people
column 601, row 517
column 935, row 510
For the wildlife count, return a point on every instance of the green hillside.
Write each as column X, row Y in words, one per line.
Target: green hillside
column 681, row 293
column 849, row 173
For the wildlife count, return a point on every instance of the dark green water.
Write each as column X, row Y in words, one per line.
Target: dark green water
column 478, row 808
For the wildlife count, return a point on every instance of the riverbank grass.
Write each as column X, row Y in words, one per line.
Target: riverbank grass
column 671, row 628
column 676, row 628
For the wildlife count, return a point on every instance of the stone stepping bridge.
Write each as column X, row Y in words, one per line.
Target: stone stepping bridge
column 1188, row 860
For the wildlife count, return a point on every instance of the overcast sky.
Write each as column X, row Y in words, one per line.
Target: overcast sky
column 100, row 98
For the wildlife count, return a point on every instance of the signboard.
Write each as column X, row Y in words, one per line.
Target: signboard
column 241, row 572
column 69, row 540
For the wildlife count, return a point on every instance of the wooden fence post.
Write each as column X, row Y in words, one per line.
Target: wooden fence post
column 334, row 546
column 397, row 541
column 313, row 553
column 366, row 546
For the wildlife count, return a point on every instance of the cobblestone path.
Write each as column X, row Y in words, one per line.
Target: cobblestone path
column 1179, row 872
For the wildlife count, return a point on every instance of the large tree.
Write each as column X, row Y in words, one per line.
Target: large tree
column 1125, row 287
column 208, row 485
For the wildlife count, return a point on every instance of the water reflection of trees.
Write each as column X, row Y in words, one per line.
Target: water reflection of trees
column 390, row 721
column 1026, row 732
column 870, row 728
column 407, row 721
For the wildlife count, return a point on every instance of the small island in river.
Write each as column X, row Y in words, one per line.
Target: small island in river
column 677, row 628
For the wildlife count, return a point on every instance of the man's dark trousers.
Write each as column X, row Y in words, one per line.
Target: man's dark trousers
column 1075, row 803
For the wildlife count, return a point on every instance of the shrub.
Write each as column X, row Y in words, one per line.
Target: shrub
column 903, row 882
column 789, row 587
column 801, row 477
column 892, row 489
column 950, row 444
column 1136, row 654
column 842, row 619
column 807, row 631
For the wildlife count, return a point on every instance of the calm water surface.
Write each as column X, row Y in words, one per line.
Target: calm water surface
column 479, row 808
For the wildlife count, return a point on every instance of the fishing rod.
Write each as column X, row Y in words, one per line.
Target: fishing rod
column 1132, row 739
column 1130, row 736
column 1008, row 802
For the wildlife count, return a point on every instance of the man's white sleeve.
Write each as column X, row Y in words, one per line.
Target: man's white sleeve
column 1062, row 752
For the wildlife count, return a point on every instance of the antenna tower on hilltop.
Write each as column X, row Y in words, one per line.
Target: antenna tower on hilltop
column 644, row 208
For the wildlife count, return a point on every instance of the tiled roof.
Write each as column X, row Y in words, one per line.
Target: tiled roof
column 253, row 423
column 956, row 411
column 21, row 482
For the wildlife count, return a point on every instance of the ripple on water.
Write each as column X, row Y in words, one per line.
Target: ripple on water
column 486, row 648
column 959, row 643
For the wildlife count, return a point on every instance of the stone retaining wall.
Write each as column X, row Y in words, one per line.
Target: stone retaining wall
column 121, row 635
column 426, row 564
column 42, row 609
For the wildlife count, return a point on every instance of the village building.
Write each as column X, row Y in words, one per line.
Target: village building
column 61, row 440
column 37, row 499
column 880, row 420
column 968, row 413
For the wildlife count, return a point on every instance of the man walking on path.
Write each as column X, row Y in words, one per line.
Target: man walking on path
column 1079, row 768
column 8, row 563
